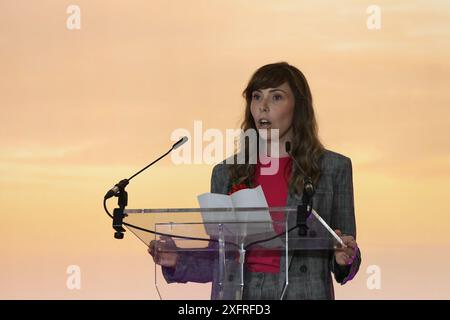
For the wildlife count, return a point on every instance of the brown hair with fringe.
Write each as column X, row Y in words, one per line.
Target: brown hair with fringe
column 306, row 147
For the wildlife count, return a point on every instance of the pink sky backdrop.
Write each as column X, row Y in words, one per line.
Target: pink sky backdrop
column 82, row 109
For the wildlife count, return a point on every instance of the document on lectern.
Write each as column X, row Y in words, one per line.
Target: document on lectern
column 248, row 224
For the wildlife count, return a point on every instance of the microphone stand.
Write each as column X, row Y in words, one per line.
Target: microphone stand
column 119, row 191
column 303, row 212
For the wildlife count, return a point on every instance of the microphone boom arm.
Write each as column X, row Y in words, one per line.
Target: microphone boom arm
column 119, row 191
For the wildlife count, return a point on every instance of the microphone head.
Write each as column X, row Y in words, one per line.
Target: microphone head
column 308, row 186
column 179, row 143
column 287, row 145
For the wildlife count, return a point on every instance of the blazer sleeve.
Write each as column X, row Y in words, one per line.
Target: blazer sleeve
column 343, row 217
column 196, row 266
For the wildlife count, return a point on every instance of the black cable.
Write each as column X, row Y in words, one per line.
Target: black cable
column 194, row 238
column 160, row 233
column 123, row 183
column 271, row 238
column 106, row 209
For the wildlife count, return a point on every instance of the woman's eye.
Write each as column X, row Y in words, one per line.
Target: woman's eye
column 255, row 96
column 277, row 97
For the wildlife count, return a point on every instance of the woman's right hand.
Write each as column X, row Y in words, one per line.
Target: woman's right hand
column 163, row 252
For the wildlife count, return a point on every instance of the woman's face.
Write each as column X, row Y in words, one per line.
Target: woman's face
column 273, row 108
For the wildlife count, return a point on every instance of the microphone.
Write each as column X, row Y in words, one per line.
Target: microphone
column 114, row 191
column 305, row 208
column 179, row 143
column 287, row 146
column 308, row 187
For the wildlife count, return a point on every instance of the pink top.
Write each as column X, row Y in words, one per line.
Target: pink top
column 275, row 189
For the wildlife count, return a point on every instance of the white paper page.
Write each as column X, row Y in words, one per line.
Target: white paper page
column 251, row 198
column 240, row 199
column 217, row 200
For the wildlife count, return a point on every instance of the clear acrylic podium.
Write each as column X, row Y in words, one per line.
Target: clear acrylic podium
column 211, row 244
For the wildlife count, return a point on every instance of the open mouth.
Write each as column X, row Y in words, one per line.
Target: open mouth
column 264, row 123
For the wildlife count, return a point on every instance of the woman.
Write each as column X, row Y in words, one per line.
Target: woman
column 278, row 97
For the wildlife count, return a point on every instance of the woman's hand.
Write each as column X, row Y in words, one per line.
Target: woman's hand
column 346, row 256
column 163, row 252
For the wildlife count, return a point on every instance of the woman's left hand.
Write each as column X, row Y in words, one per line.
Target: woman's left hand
column 346, row 256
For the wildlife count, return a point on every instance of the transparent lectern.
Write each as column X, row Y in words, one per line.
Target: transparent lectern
column 211, row 244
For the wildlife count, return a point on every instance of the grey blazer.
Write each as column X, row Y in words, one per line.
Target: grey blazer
column 310, row 273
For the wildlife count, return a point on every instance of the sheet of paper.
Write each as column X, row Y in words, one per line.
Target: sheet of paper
column 216, row 200
column 211, row 219
column 259, row 223
column 251, row 198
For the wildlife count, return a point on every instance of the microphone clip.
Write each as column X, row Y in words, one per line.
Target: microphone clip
column 118, row 213
column 305, row 209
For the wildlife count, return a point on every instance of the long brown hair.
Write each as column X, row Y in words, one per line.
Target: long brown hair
column 306, row 147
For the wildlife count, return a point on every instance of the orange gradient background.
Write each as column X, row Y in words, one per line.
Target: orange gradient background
column 83, row 109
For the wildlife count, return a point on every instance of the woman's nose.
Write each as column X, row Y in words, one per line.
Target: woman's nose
column 264, row 107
